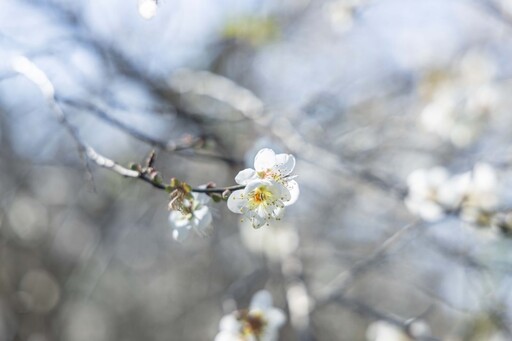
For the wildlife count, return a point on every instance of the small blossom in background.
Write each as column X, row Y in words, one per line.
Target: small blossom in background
column 384, row 331
column 194, row 215
column 473, row 195
column 268, row 188
column 459, row 102
column 276, row 244
column 427, row 195
column 481, row 197
column 261, row 322
column 148, row 8
column 340, row 14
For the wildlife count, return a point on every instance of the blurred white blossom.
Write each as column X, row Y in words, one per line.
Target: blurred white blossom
column 261, row 322
column 193, row 215
column 275, row 244
column 437, row 116
column 460, row 101
column 384, row 331
column 428, row 196
column 474, row 194
column 481, row 195
column 340, row 13
column 148, row 8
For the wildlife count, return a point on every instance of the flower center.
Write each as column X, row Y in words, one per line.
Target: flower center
column 260, row 195
column 269, row 174
column 253, row 324
column 262, row 174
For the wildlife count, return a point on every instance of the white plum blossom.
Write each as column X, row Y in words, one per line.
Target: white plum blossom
column 481, row 197
column 269, row 187
column 430, row 194
column 275, row 167
column 194, row 215
column 261, row 143
column 148, row 8
column 385, row 331
column 482, row 190
column 261, row 322
column 260, row 201
column 474, row 195
column 459, row 102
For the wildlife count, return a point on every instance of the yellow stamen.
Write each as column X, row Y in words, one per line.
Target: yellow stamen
column 260, row 195
column 253, row 323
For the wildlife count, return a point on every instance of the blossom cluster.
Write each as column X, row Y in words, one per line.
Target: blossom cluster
column 474, row 196
column 261, row 196
column 459, row 102
column 192, row 215
column 269, row 187
column 260, row 322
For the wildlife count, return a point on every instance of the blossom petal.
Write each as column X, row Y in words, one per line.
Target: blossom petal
column 203, row 214
column 262, row 300
column 293, row 187
column 452, row 193
column 181, row 233
column 252, row 185
column 276, row 317
column 178, row 220
column 437, row 176
column 227, row 336
column 236, row 203
column 201, row 197
column 265, row 159
column 484, row 177
column 258, row 221
column 280, row 191
column 229, row 323
column 262, row 212
column 285, row 163
column 426, row 209
column 246, row 175
column 203, row 221
column 278, row 212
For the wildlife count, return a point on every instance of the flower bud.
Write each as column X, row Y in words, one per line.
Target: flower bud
column 226, row 194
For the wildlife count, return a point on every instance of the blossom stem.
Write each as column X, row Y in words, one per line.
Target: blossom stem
column 219, row 190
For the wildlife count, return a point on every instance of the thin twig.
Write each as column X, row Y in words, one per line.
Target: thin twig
column 169, row 146
column 338, row 285
column 368, row 311
column 27, row 68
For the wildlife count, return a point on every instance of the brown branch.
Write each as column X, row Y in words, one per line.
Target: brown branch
column 158, row 87
column 27, row 68
column 169, row 146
